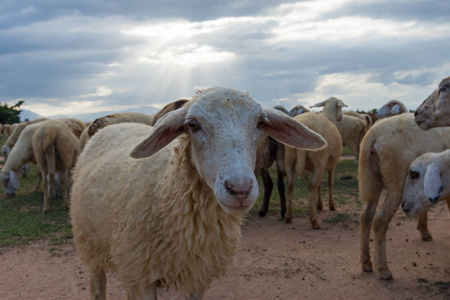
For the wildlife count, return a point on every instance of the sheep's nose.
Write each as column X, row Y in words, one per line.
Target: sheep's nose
column 239, row 190
column 406, row 208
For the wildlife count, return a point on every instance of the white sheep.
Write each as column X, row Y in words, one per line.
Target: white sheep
column 172, row 218
column 174, row 105
column 297, row 110
column 428, row 182
column 56, row 149
column 352, row 131
column 386, row 152
column 21, row 154
column 392, row 108
column 316, row 162
column 435, row 110
column 14, row 136
column 6, row 129
column 125, row 117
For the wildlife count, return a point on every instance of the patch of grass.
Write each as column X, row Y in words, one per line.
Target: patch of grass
column 339, row 218
column 22, row 220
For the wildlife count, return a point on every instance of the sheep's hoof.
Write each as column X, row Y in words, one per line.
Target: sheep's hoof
column 319, row 207
column 367, row 267
column 46, row 211
column 287, row 219
column 387, row 275
column 315, row 224
column 261, row 213
column 332, row 208
column 427, row 237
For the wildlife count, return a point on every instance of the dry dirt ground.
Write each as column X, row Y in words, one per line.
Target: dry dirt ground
column 275, row 261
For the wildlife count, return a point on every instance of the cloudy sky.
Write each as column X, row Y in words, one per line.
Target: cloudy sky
column 85, row 56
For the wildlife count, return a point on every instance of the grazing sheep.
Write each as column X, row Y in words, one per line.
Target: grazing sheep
column 14, row 136
column 428, row 181
column 392, row 108
column 435, row 110
column 75, row 125
column 352, row 131
column 56, row 149
column 172, row 218
column 316, row 162
column 386, row 152
column 132, row 117
column 20, row 155
column 168, row 108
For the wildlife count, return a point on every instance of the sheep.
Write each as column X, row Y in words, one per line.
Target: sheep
column 21, row 154
column 7, row 129
column 385, row 154
column 392, row 108
column 76, row 126
column 427, row 182
column 84, row 138
column 119, row 118
column 56, row 149
column 352, row 131
column 363, row 116
column 14, row 136
column 316, row 162
column 433, row 112
column 173, row 216
column 297, row 110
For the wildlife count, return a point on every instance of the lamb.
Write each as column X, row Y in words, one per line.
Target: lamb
column 386, row 152
column 392, row 108
column 427, row 182
column 12, row 139
column 56, row 149
column 352, row 131
column 133, row 117
column 172, row 217
column 316, row 162
column 434, row 111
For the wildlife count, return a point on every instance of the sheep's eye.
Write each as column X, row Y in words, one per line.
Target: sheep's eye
column 413, row 174
column 443, row 89
column 193, row 125
column 261, row 122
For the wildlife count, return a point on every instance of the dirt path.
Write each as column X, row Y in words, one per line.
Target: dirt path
column 275, row 261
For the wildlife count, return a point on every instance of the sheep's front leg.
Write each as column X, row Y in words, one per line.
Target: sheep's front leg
column 380, row 227
column 197, row 295
column 37, row 186
column 290, row 194
column 268, row 188
column 281, row 192
column 422, row 226
column 142, row 292
column 64, row 186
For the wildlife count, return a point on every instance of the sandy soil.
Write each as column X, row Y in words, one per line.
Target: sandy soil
column 275, row 261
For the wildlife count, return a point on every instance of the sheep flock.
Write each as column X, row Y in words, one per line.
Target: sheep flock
column 160, row 199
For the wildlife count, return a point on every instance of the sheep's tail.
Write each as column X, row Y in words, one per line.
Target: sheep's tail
column 370, row 180
column 50, row 156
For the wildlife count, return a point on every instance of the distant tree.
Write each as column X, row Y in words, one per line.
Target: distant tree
column 10, row 114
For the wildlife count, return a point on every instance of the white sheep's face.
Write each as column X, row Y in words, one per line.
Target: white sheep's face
column 423, row 186
column 10, row 182
column 225, row 126
column 435, row 110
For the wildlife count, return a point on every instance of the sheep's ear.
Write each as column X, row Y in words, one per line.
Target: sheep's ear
column 432, row 183
column 318, row 104
column 395, row 109
column 169, row 127
column 288, row 131
column 168, row 108
column 341, row 103
column 14, row 179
